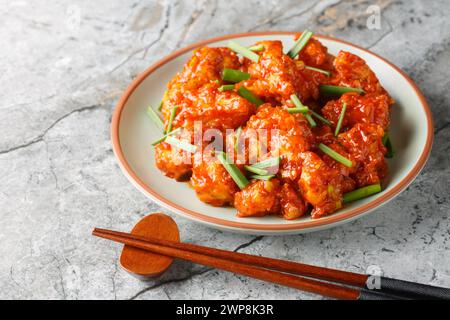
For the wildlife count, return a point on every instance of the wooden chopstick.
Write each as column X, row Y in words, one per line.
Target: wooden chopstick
column 395, row 288
column 305, row 284
column 339, row 276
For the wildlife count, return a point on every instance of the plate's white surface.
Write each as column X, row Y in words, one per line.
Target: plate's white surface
column 408, row 129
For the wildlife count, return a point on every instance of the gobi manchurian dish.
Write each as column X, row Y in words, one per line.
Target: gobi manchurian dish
column 272, row 131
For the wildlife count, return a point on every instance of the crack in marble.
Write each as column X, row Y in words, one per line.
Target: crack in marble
column 161, row 31
column 113, row 276
column 41, row 136
column 26, row 103
column 51, row 166
column 146, row 48
column 391, row 29
column 162, row 283
column 192, row 19
column 441, row 128
column 247, row 244
column 277, row 17
column 164, row 289
column 60, row 276
column 374, row 232
column 190, row 276
column 433, row 275
column 12, row 277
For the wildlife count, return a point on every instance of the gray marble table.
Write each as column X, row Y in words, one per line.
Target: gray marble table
column 62, row 69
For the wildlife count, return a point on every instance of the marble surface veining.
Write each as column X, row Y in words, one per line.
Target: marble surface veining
column 63, row 67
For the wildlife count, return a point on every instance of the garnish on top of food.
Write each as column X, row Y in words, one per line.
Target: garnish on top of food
column 273, row 130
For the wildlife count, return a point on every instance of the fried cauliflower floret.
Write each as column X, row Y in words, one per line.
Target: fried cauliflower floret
column 204, row 67
column 173, row 162
column 288, row 136
column 325, row 135
column 215, row 109
column 342, row 169
column 275, row 77
column 364, row 143
column 314, row 54
column 258, row 199
column 320, row 185
column 369, row 108
column 352, row 71
column 292, row 204
column 212, row 183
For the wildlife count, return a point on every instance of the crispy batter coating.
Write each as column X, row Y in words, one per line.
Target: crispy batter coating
column 320, row 185
column 276, row 76
column 258, row 199
column 215, row 109
column 314, row 54
column 288, row 136
column 369, row 108
column 292, row 204
column 342, row 169
column 173, row 162
column 194, row 92
column 352, row 71
column 206, row 65
column 364, row 144
column 325, row 135
column 212, row 183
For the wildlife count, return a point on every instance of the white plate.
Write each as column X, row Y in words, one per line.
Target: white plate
column 411, row 131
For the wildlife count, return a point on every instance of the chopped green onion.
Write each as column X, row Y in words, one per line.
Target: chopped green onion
column 256, row 48
column 236, row 142
column 162, row 101
column 296, row 101
column 385, row 138
column 258, row 171
column 233, row 170
column 301, row 42
column 311, row 121
column 226, row 87
column 361, row 193
column 245, row 93
column 271, row 162
column 318, row 116
column 341, row 119
column 388, row 144
column 172, row 116
column 155, row 118
column 186, row 146
column 262, row 177
column 337, row 90
column 299, row 105
column 165, row 136
column 298, row 110
column 236, row 47
column 336, row 156
column 325, row 72
column 232, row 75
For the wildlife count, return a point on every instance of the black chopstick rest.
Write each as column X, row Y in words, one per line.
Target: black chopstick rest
column 413, row 290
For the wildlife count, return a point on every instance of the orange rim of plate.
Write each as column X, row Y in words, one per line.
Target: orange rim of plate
column 332, row 219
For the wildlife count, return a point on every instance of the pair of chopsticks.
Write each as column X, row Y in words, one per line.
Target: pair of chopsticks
column 331, row 283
